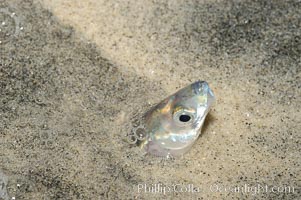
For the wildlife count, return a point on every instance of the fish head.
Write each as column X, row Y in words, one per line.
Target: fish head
column 173, row 125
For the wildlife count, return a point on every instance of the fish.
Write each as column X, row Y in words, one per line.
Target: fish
column 170, row 128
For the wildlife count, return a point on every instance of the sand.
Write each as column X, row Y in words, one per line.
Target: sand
column 74, row 74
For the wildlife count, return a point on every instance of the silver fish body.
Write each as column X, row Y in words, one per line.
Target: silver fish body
column 172, row 126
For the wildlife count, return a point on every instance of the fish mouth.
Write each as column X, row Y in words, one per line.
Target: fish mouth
column 202, row 88
column 210, row 97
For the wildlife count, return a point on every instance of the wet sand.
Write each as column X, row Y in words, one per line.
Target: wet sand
column 74, row 73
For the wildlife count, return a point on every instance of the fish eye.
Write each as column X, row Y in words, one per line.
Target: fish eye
column 184, row 118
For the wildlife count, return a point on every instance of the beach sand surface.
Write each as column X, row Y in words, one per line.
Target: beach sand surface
column 75, row 74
